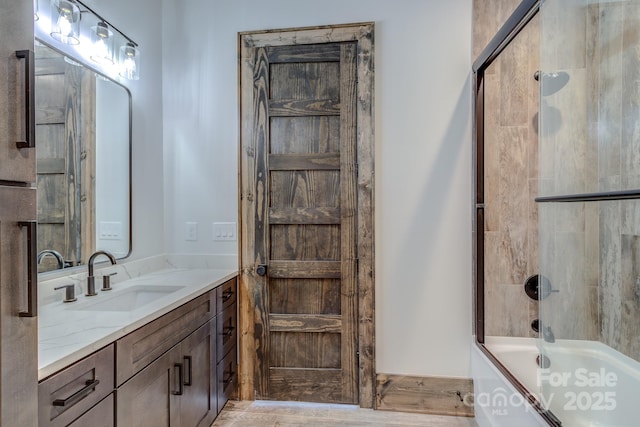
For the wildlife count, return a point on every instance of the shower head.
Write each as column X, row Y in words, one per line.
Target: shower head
column 552, row 82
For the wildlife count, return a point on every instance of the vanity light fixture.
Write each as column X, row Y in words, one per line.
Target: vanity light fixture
column 130, row 61
column 72, row 21
column 102, row 40
column 65, row 21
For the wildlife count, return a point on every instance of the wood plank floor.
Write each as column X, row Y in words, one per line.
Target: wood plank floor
column 293, row 414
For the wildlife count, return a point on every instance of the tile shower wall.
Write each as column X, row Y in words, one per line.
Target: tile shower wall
column 591, row 142
column 511, row 172
column 613, row 63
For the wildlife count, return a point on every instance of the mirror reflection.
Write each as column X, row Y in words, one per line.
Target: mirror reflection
column 83, row 162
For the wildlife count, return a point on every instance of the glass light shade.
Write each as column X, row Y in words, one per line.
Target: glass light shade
column 102, row 40
column 130, row 61
column 65, row 21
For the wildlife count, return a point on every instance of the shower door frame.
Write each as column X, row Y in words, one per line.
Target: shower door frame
column 525, row 11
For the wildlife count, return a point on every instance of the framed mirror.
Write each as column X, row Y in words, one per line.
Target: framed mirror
column 83, row 150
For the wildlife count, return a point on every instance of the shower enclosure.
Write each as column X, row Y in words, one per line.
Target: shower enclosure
column 558, row 208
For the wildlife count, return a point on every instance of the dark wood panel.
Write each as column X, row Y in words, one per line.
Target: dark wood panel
column 305, row 189
column 306, row 385
column 51, row 166
column 50, row 140
column 50, row 99
column 324, row 52
column 101, row 415
column 305, row 269
column 305, row 135
column 310, row 296
column 427, row 395
column 305, row 323
column 98, row 366
column 304, row 216
column 46, row 66
column 304, row 81
column 304, row 107
column 348, row 201
column 304, row 350
column 137, row 349
column 148, row 399
column 305, row 242
column 291, row 162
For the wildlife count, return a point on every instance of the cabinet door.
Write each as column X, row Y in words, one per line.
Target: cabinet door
column 100, row 415
column 18, row 345
column 198, row 406
column 16, row 33
column 152, row 397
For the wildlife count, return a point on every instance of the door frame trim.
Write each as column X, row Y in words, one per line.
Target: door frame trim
column 363, row 35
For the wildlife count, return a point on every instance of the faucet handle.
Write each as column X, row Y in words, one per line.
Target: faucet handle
column 106, row 281
column 70, row 292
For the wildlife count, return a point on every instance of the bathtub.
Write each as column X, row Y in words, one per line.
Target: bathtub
column 588, row 384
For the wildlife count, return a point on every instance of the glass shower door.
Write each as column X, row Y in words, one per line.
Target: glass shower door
column 589, row 213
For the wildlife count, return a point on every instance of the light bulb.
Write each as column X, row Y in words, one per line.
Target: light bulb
column 65, row 26
column 129, row 66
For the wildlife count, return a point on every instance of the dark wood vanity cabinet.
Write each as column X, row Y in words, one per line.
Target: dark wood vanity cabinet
column 76, row 393
column 178, row 370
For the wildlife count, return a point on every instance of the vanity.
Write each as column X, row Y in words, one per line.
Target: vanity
column 158, row 349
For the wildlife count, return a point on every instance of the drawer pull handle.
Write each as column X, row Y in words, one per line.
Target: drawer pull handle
column 226, row 296
column 180, row 384
column 29, row 99
column 188, row 359
column 229, row 379
column 228, row 331
column 90, row 386
column 32, row 269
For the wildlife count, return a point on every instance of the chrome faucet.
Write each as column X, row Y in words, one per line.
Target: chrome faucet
column 91, row 283
column 57, row 255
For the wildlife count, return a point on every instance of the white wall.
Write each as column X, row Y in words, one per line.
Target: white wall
column 423, row 155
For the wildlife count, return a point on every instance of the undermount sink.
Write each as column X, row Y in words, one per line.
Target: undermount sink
column 125, row 300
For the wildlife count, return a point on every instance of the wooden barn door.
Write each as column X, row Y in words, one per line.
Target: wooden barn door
column 308, row 246
column 304, row 222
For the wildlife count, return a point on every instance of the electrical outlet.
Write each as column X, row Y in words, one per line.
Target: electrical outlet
column 110, row 230
column 191, row 231
column 224, row 231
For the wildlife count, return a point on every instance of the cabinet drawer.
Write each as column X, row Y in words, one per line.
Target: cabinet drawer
column 71, row 392
column 227, row 294
column 144, row 345
column 227, row 331
column 227, row 378
column 101, row 415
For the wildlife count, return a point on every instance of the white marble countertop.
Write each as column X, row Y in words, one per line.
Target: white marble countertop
column 67, row 334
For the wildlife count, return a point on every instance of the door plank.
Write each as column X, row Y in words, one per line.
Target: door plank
column 348, row 199
column 304, row 107
column 307, row 384
column 305, row 269
column 330, row 161
column 305, row 323
column 304, row 216
column 261, row 230
column 306, row 53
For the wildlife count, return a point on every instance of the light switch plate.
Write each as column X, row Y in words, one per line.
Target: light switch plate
column 224, row 231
